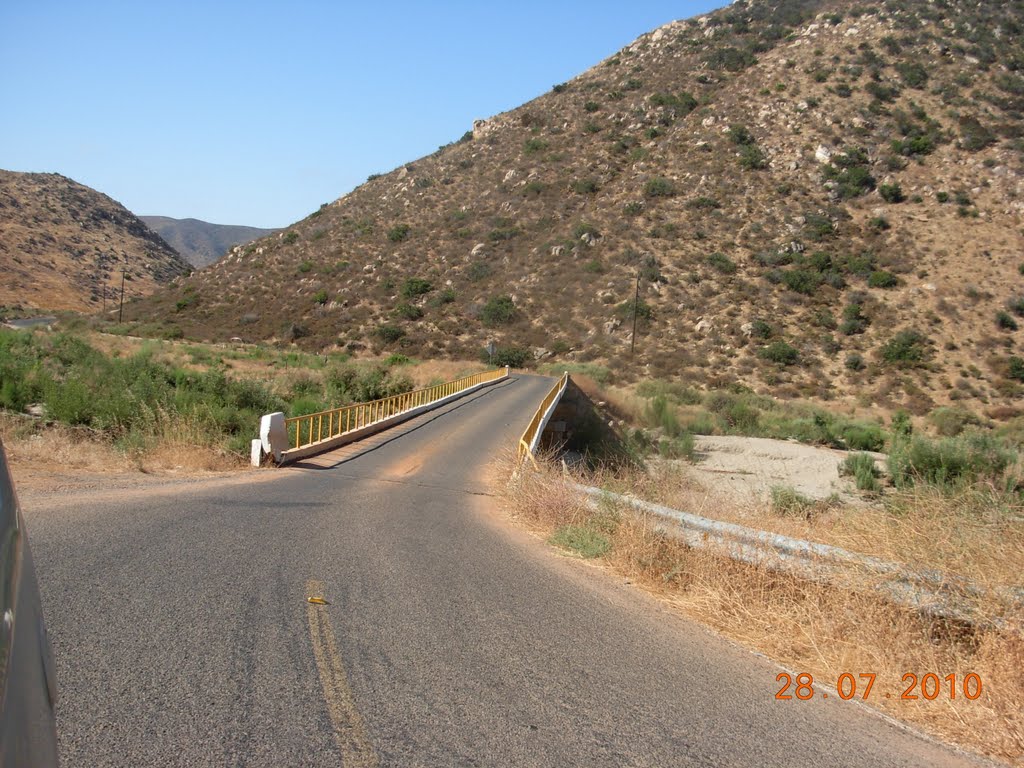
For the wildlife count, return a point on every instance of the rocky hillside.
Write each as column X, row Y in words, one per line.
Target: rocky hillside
column 820, row 199
column 199, row 242
column 62, row 244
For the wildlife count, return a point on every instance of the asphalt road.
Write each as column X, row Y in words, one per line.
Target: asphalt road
column 183, row 634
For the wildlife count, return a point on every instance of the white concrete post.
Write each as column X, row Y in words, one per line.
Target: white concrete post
column 274, row 435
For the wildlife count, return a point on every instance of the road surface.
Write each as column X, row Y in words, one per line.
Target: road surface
column 447, row 637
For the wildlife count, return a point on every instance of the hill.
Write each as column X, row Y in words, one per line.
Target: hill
column 821, row 200
column 199, row 242
column 62, row 244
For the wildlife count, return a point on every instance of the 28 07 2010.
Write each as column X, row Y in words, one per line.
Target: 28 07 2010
column 914, row 687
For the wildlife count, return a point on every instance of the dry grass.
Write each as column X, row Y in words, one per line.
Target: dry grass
column 179, row 444
column 975, row 534
column 808, row 627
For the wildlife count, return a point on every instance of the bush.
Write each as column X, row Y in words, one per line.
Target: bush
column 855, row 362
column 861, row 467
column 722, row 263
column 1016, row 305
column 408, row 311
column 780, row 352
column 513, row 357
column 389, row 333
column 1015, row 369
column 534, row 145
column 585, row 186
column 858, row 436
column 854, row 321
column 951, row 421
column 907, row 349
column 398, row 233
column 290, row 237
column 802, row 281
column 761, row 330
column 948, row 462
column 320, row 297
column 1005, row 321
column 882, row 279
column 640, row 308
column 752, row 158
column 499, row 310
column 414, row 287
column 892, row 193
column 659, row 187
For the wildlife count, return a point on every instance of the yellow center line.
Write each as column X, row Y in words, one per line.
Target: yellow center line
column 349, row 728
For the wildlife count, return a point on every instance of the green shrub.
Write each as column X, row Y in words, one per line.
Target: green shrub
column 948, row 462
column 661, row 414
column 1016, row 305
column 861, row 467
column 408, row 311
column 855, row 362
column 780, row 352
column 1005, row 321
column 859, row 436
column 585, row 186
column 659, row 187
column 761, row 330
column 447, row 296
column 414, row 287
column 802, row 281
column 681, row 447
column 389, row 333
column 913, row 74
column 951, row 421
column 722, row 263
column 499, row 310
column 892, row 193
column 534, row 145
column 398, row 233
column 1015, row 368
column 499, row 234
column 640, row 308
column 882, row 279
column 907, row 349
column 289, row 238
column 752, row 158
column 320, row 297
column 740, row 134
column 513, row 357
column 854, row 321
column 305, row 266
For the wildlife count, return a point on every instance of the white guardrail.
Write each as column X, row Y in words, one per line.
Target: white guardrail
column 927, row 591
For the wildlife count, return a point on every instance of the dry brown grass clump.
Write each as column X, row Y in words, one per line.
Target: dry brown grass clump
column 808, row 627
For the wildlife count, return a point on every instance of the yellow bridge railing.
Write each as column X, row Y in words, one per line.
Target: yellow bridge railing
column 528, row 442
column 314, row 427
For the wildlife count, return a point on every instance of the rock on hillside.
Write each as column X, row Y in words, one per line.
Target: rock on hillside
column 822, row 199
column 199, row 242
column 62, row 244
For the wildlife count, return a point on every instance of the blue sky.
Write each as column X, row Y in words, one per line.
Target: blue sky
column 256, row 113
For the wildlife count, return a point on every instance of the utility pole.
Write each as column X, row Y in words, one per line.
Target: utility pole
column 120, row 312
column 636, row 309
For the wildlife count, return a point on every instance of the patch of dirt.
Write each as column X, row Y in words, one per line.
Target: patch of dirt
column 744, row 467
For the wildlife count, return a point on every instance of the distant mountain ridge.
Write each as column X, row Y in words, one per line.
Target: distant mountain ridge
column 199, row 242
column 63, row 245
